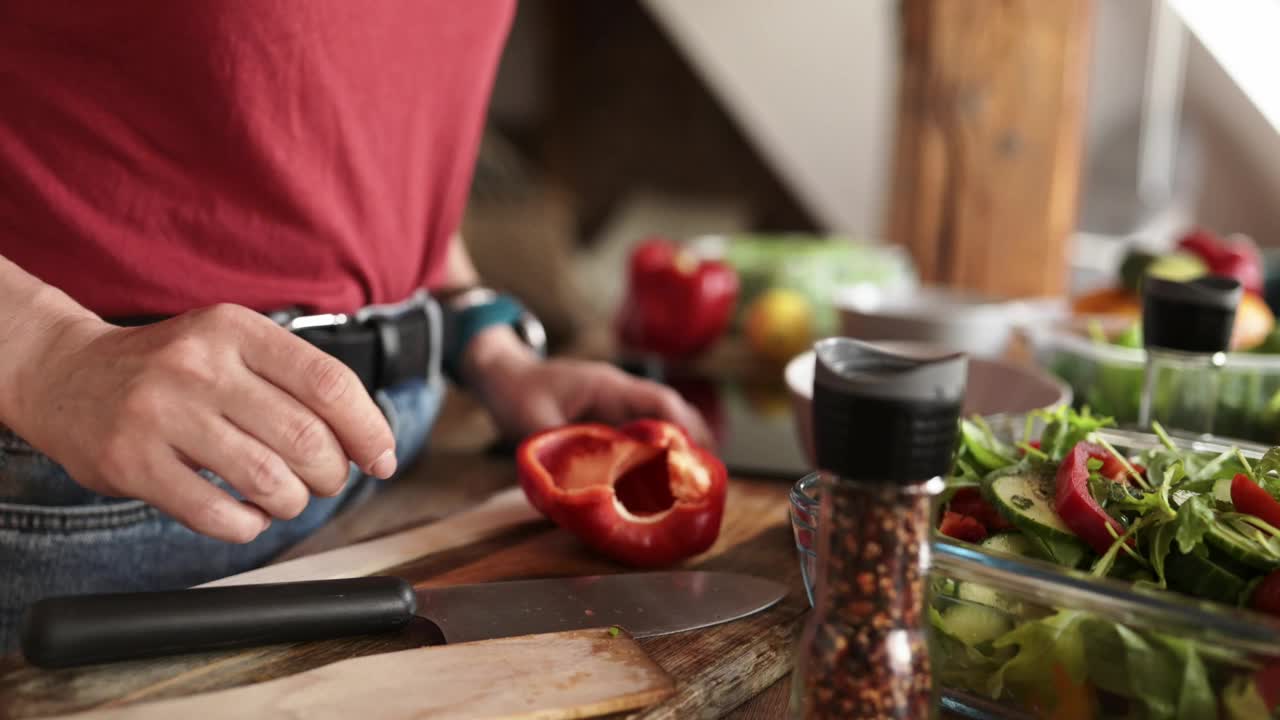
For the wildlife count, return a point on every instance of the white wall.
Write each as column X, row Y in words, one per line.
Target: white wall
column 811, row 82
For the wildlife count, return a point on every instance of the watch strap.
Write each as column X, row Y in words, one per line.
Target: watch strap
column 470, row 313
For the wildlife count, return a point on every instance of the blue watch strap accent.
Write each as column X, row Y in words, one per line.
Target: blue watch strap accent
column 462, row 326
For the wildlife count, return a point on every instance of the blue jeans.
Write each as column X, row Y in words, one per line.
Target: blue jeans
column 58, row 538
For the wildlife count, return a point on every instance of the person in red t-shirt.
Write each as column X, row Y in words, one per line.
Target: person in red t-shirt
column 197, row 200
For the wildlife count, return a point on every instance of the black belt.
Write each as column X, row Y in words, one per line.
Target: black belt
column 384, row 345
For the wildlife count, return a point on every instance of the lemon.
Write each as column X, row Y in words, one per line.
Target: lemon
column 779, row 325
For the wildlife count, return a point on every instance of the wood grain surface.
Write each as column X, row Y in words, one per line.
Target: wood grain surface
column 715, row 670
column 990, row 141
column 554, row 676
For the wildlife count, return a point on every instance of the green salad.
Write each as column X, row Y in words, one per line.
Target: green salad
column 1248, row 396
column 1165, row 519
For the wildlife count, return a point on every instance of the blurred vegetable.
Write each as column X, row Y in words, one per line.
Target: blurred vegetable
column 779, row 325
column 677, row 303
column 1236, row 257
column 1107, row 301
column 816, row 267
column 1254, row 319
column 1254, row 322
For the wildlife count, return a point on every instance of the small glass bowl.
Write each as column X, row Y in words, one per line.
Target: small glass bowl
column 804, row 527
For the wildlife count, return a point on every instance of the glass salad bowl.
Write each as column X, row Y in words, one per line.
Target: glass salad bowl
column 1018, row 637
column 1107, row 377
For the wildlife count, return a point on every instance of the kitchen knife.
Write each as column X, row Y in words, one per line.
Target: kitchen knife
column 85, row 629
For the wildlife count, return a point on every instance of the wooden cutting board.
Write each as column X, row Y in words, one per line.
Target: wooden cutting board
column 556, row 676
column 714, row 669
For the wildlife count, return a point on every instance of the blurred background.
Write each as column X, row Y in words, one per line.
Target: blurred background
column 873, row 159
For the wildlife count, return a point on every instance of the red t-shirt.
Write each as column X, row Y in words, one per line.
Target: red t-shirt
column 158, row 156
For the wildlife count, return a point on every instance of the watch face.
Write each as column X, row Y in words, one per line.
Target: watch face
column 531, row 331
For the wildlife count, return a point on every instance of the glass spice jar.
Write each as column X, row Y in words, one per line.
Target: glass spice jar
column 1186, row 331
column 884, row 429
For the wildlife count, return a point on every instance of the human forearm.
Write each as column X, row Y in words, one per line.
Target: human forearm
column 32, row 313
column 459, row 271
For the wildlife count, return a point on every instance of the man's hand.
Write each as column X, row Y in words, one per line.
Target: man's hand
column 134, row 412
column 526, row 394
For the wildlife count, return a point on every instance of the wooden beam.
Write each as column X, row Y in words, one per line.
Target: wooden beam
column 989, row 141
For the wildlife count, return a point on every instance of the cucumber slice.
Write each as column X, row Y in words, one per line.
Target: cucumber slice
column 986, row 595
column 1014, row 543
column 1241, row 548
column 1202, row 577
column 1222, row 490
column 1025, row 497
column 975, row 624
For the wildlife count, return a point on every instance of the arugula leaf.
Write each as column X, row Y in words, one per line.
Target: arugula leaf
column 1065, row 427
column 1269, row 463
column 1242, row 701
column 982, row 446
column 1041, row 644
column 1165, row 676
column 1195, row 698
column 958, row 664
column 1161, row 541
column 1194, row 519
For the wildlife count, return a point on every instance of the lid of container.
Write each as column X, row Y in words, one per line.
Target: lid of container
column 885, row 416
column 1191, row 316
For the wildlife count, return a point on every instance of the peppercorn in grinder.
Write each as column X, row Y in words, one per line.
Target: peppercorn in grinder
column 885, row 429
column 1186, row 330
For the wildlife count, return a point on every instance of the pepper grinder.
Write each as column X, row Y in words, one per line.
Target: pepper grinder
column 1186, row 330
column 884, row 432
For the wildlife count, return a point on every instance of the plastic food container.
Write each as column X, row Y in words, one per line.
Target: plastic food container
column 1108, row 379
column 1130, row 640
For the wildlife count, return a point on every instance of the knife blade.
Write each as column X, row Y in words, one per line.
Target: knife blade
column 643, row 604
column 87, row 629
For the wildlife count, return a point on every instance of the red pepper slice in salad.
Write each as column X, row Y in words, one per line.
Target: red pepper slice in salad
column 1267, row 679
column 1266, row 596
column 1251, row 499
column 969, row 502
column 962, row 527
column 1075, row 504
column 643, row 494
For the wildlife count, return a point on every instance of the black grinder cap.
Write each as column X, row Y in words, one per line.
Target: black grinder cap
column 1192, row 316
column 883, row 416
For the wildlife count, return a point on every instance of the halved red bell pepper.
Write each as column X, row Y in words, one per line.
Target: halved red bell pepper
column 1251, row 499
column 677, row 304
column 1075, row 504
column 643, row 494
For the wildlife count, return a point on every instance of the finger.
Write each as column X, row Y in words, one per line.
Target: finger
column 286, row 426
column 644, row 398
column 329, row 389
column 248, row 466
column 541, row 413
column 199, row 505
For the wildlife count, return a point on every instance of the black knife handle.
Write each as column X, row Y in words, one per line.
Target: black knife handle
column 84, row 629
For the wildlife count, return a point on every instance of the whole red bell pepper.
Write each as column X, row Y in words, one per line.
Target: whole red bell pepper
column 643, row 494
column 1251, row 499
column 1075, row 504
column 677, row 304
